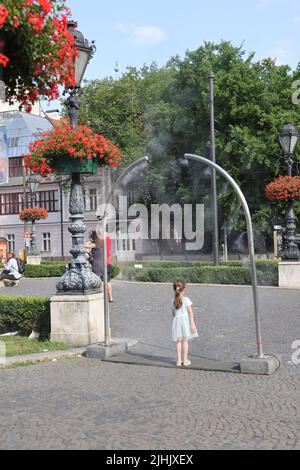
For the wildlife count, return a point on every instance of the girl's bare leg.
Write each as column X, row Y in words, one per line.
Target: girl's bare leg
column 178, row 350
column 185, row 351
column 109, row 291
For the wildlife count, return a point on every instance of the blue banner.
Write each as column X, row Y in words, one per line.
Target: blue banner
column 3, row 155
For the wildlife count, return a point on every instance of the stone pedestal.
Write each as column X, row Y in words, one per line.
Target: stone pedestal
column 34, row 260
column 289, row 274
column 77, row 320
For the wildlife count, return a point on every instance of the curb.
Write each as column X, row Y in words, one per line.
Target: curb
column 237, row 286
column 40, row 357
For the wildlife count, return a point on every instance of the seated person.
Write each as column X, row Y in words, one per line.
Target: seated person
column 11, row 271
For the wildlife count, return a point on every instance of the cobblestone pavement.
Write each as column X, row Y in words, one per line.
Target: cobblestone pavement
column 89, row 404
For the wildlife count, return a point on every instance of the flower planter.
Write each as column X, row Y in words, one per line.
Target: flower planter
column 67, row 165
column 40, row 50
column 283, row 189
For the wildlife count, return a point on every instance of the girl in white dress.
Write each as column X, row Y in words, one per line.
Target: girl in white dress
column 183, row 327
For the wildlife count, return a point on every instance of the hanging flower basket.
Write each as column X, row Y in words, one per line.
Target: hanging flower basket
column 37, row 51
column 33, row 214
column 71, row 150
column 283, row 188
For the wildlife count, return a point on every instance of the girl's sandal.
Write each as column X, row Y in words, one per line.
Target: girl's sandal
column 178, row 364
column 188, row 363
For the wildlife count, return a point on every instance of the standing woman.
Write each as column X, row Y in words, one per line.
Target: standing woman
column 96, row 253
column 108, row 262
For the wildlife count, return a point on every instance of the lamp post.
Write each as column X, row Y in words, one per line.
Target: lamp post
column 213, row 173
column 86, row 51
column 288, row 139
column 79, row 277
column 33, row 184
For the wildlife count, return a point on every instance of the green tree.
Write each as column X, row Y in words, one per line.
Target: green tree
column 164, row 112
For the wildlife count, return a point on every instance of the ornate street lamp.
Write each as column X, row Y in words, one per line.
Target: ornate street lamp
column 86, row 51
column 33, row 184
column 79, row 277
column 288, row 139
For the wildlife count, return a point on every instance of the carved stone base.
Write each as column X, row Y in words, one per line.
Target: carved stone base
column 77, row 320
column 78, row 279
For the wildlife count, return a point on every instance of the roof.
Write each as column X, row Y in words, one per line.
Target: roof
column 24, row 128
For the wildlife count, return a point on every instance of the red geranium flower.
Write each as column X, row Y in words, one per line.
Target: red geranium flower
column 32, row 214
column 283, row 188
column 38, row 51
column 70, row 142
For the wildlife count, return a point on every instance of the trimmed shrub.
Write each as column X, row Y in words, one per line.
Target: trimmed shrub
column 235, row 275
column 25, row 314
column 44, row 270
column 53, row 270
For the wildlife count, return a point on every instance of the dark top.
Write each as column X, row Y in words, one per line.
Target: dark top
column 97, row 259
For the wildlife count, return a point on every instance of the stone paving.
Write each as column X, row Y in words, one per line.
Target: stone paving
column 89, row 404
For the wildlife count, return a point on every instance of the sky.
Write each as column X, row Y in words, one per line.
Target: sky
column 134, row 32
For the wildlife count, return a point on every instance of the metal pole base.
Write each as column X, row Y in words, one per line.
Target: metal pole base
column 103, row 351
column 265, row 365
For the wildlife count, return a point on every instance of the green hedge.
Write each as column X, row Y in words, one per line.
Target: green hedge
column 53, row 270
column 25, row 314
column 44, row 270
column 261, row 264
column 235, row 275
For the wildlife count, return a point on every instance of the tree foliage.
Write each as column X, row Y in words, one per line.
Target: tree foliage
column 164, row 112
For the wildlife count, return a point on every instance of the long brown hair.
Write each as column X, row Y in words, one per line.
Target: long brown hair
column 178, row 287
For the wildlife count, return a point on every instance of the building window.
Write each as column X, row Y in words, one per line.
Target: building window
column 13, row 203
column 11, row 242
column 126, row 244
column 46, row 241
column 93, row 199
column 13, row 142
column 48, row 200
column 10, row 203
column 15, row 167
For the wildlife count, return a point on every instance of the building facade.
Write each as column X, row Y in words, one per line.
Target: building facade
column 53, row 237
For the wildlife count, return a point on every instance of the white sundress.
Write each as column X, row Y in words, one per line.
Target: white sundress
column 181, row 329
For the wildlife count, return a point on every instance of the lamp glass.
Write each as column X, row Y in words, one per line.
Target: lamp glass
column 288, row 138
column 285, row 143
column 81, row 63
column 33, row 184
column 293, row 143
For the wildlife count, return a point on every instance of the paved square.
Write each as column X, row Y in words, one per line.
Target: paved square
column 89, row 404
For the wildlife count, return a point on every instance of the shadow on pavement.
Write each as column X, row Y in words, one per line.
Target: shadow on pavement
column 198, row 363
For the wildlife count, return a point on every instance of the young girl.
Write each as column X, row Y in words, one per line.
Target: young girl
column 183, row 328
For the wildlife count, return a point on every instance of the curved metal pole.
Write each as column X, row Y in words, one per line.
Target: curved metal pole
column 122, row 175
column 105, row 291
column 250, row 242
